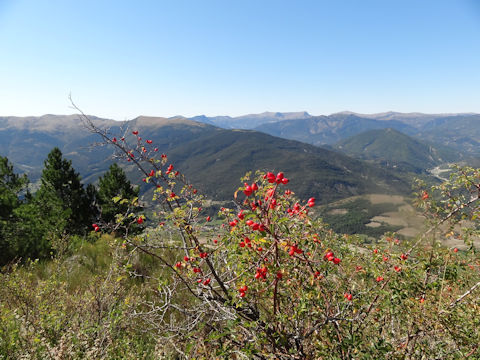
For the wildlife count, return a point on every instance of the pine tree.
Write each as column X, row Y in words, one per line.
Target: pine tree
column 59, row 179
column 114, row 183
column 11, row 188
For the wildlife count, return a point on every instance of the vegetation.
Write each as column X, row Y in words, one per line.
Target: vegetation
column 270, row 283
column 115, row 196
column 356, row 215
column 394, row 149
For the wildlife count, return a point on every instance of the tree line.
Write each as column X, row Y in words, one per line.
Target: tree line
column 61, row 207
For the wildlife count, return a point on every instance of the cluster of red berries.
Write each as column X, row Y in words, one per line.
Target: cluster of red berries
column 294, row 250
column 261, row 273
column 96, row 227
column 279, row 179
column 242, row 290
column 246, row 242
column 330, row 256
column 311, row 202
column 255, row 226
column 250, row 189
column 348, row 296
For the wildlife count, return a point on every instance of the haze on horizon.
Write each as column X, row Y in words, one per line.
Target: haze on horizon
column 120, row 60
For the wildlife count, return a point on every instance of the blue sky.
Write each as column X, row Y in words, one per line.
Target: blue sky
column 121, row 59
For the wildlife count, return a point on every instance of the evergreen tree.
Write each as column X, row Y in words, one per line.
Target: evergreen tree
column 11, row 187
column 59, row 180
column 114, row 184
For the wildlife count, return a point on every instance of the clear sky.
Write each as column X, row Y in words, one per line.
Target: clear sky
column 120, row 59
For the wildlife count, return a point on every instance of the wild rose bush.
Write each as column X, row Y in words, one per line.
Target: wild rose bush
column 274, row 282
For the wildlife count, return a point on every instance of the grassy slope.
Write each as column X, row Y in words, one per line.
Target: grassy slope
column 397, row 148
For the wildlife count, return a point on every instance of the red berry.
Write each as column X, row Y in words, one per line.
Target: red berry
column 328, row 255
column 152, row 173
column 114, row 139
column 248, row 190
column 379, row 278
column 271, row 177
column 206, row 282
column 455, row 250
column 178, row 264
column 404, row 256
column 135, row 132
column 336, row 261
column 140, row 220
column 186, row 258
column 254, row 187
column 348, row 296
column 285, row 181
column 209, row 218
column 149, row 141
column 425, row 195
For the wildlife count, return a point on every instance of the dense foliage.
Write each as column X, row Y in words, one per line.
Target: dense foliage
column 269, row 282
column 32, row 225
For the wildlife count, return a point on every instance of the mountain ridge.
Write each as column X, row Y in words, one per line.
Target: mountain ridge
column 211, row 157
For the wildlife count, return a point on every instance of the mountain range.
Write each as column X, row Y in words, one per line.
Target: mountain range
column 374, row 153
column 458, row 131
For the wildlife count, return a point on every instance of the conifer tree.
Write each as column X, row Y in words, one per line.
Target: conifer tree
column 59, row 179
column 11, row 187
column 114, row 183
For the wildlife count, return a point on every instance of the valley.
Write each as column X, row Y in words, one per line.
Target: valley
column 362, row 172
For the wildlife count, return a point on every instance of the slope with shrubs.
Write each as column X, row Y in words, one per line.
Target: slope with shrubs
column 270, row 282
column 397, row 150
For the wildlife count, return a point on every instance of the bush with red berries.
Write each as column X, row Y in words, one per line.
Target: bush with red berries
column 275, row 282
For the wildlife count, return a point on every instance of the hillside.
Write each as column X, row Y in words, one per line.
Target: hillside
column 220, row 159
column 395, row 149
column 211, row 157
column 330, row 129
column 461, row 132
column 458, row 131
column 250, row 121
